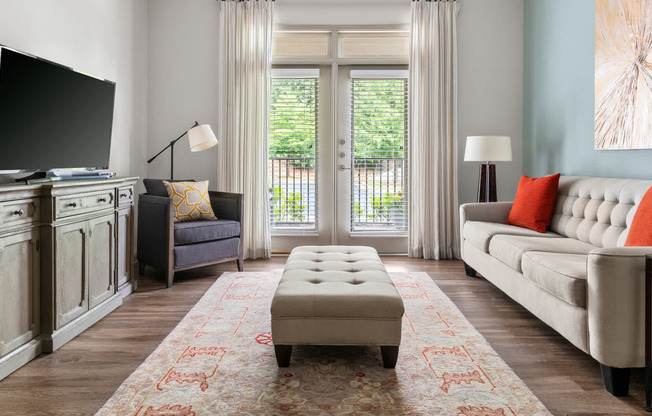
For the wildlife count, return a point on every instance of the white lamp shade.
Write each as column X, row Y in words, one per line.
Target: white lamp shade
column 488, row 149
column 201, row 138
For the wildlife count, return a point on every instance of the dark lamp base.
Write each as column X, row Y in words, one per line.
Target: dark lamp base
column 487, row 183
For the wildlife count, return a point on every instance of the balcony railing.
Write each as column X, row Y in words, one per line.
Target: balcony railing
column 379, row 198
column 378, row 194
column 293, row 193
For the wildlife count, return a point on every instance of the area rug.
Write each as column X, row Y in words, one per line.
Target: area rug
column 220, row 360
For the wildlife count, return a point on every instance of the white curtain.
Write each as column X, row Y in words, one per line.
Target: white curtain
column 433, row 229
column 245, row 46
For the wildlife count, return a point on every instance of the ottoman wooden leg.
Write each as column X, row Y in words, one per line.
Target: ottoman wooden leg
column 283, row 353
column 390, row 355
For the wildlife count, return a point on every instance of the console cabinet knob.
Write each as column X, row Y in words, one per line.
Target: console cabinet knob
column 19, row 212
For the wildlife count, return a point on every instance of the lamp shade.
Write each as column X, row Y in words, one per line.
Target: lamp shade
column 488, row 148
column 201, row 137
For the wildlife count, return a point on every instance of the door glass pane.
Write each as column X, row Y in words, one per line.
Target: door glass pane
column 379, row 151
column 293, row 153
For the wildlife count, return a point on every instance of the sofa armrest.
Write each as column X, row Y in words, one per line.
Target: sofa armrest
column 227, row 205
column 485, row 211
column 154, row 222
column 482, row 211
column 616, row 305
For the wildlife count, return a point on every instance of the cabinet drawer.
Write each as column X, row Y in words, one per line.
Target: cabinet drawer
column 82, row 203
column 125, row 195
column 24, row 211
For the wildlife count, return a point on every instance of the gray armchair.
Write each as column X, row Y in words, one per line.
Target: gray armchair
column 171, row 246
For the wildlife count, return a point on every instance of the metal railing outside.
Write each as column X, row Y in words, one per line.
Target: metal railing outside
column 378, row 194
column 379, row 197
column 293, row 193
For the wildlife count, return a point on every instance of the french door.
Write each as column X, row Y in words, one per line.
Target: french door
column 338, row 157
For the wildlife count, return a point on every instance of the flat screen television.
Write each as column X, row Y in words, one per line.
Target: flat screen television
column 51, row 116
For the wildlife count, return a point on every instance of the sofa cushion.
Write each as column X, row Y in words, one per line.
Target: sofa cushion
column 479, row 233
column 510, row 248
column 597, row 210
column 560, row 274
column 198, row 231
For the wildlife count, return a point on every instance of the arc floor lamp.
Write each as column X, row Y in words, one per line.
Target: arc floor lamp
column 487, row 149
column 200, row 137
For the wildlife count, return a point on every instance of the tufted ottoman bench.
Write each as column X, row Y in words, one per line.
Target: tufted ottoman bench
column 336, row 295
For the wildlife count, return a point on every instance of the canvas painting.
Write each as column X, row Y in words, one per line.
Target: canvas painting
column 623, row 74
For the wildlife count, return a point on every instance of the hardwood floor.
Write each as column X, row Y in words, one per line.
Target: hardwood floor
column 79, row 377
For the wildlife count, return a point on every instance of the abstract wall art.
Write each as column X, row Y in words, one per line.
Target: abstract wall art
column 623, row 74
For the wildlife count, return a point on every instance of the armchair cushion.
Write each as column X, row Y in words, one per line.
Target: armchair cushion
column 190, row 200
column 198, row 231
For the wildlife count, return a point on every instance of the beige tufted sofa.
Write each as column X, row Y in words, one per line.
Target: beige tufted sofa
column 577, row 277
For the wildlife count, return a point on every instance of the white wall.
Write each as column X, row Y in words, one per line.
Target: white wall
column 106, row 38
column 490, row 88
column 342, row 12
column 182, row 84
column 183, row 67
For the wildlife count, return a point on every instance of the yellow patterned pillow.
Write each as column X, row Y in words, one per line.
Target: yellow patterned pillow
column 190, row 200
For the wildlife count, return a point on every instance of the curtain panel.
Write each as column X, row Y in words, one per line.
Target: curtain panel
column 434, row 217
column 245, row 50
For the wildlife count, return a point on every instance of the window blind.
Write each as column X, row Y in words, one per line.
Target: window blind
column 379, row 140
column 293, row 149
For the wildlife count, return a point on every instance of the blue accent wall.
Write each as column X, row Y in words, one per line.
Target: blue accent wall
column 558, row 96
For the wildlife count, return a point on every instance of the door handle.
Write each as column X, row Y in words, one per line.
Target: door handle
column 342, row 167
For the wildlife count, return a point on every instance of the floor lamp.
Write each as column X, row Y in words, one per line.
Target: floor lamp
column 200, row 137
column 487, row 149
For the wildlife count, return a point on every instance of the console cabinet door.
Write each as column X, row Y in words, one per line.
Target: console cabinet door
column 70, row 272
column 124, row 238
column 19, row 290
column 101, row 258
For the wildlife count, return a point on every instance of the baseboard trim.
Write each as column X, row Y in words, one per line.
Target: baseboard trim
column 61, row 336
column 19, row 357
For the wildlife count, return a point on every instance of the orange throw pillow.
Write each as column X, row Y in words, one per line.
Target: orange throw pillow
column 535, row 202
column 640, row 231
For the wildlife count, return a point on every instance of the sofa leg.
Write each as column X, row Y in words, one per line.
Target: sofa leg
column 239, row 262
column 390, row 355
column 169, row 276
column 616, row 380
column 283, row 354
column 470, row 271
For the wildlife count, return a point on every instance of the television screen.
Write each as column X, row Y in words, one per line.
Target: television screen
column 51, row 116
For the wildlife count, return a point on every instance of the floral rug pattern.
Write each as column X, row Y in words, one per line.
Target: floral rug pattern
column 220, row 360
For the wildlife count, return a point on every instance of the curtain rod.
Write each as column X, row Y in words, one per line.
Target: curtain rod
column 239, row 1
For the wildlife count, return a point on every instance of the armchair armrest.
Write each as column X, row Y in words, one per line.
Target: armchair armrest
column 616, row 305
column 227, row 205
column 154, row 222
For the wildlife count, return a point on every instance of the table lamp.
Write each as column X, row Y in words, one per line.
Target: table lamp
column 487, row 149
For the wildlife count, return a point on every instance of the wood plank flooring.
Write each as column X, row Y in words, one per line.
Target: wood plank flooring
column 79, row 377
